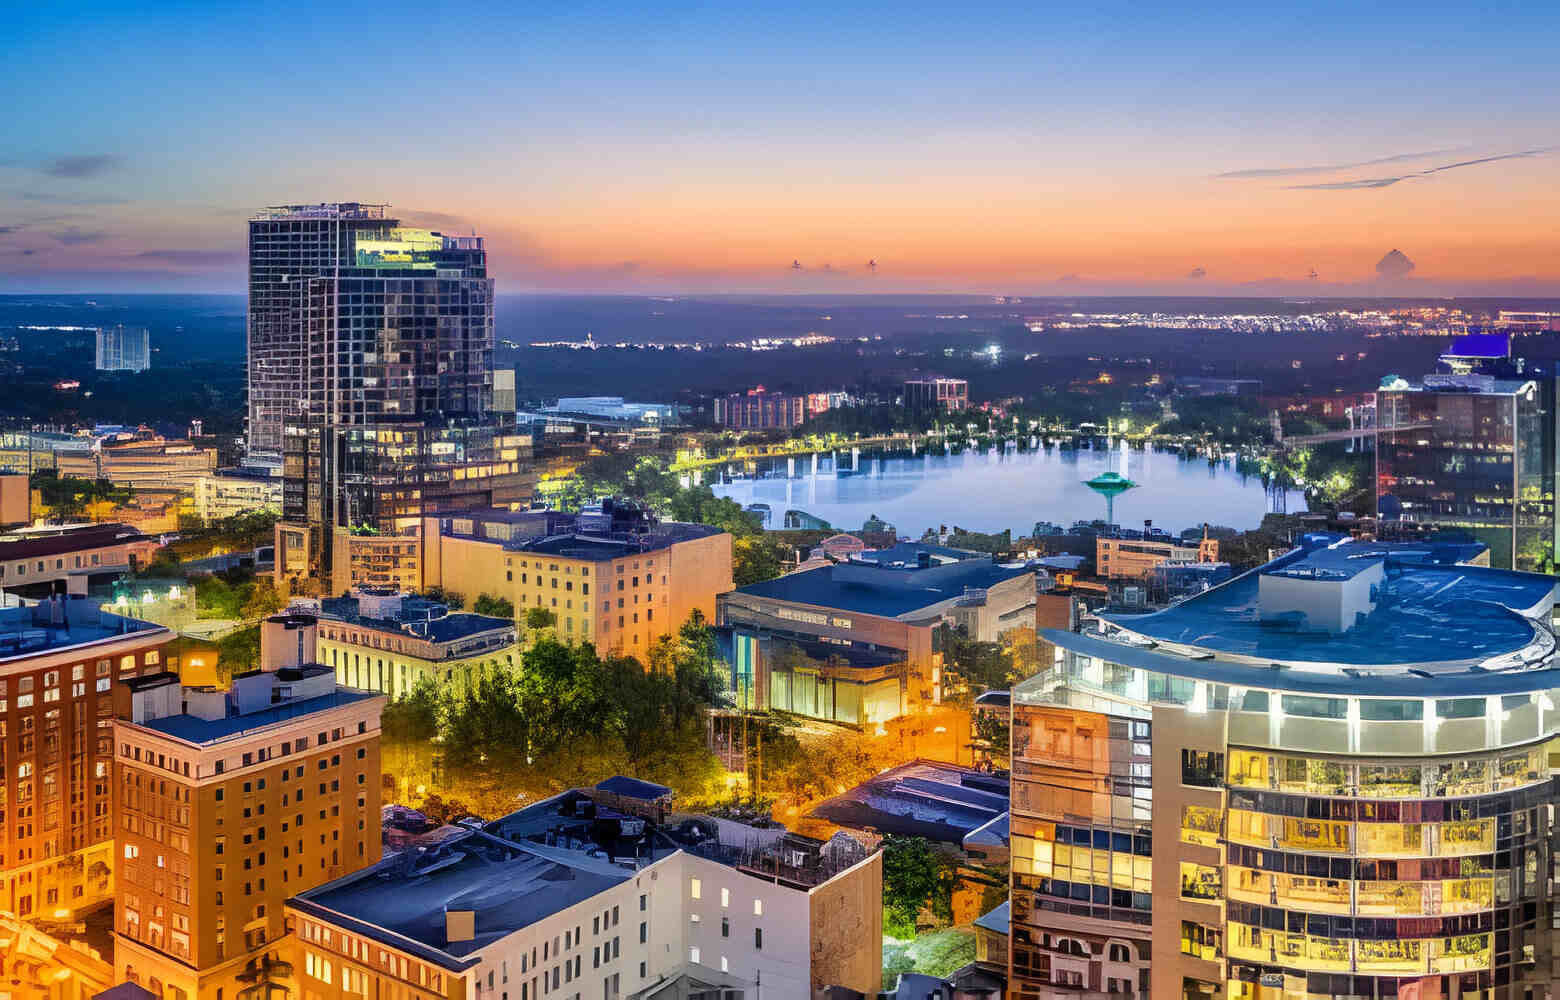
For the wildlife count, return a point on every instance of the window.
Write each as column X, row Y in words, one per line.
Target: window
column 1202, row 768
column 758, row 907
column 695, row 891
column 758, row 938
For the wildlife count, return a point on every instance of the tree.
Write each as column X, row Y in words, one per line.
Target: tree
column 493, row 607
column 414, row 717
column 261, row 601
column 910, row 878
column 237, row 652
column 539, row 618
column 997, row 733
column 756, row 558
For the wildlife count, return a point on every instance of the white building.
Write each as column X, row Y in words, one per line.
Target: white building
column 123, row 349
column 574, row 897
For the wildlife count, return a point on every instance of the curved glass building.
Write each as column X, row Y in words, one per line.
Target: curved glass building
column 1329, row 777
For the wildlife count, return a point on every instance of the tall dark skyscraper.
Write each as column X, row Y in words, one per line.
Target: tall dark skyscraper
column 371, row 373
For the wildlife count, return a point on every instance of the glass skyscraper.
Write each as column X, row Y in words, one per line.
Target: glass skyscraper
column 1472, row 450
column 1332, row 777
column 371, row 373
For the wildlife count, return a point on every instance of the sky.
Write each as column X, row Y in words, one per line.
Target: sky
column 1042, row 148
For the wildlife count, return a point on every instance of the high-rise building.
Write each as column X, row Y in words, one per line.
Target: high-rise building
column 371, row 372
column 759, row 409
column 1333, row 776
column 123, row 349
column 1472, row 450
column 229, row 802
column 58, row 662
column 948, row 395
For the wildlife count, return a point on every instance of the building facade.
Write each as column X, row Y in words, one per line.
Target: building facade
column 947, row 395
column 371, row 374
column 759, row 409
column 614, row 576
column 123, row 349
column 39, row 561
column 1135, row 557
column 856, row 642
column 227, row 803
column 228, row 493
column 1329, row 777
column 557, row 901
column 150, row 462
column 58, row 663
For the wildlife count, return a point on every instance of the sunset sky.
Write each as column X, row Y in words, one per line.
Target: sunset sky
column 1032, row 149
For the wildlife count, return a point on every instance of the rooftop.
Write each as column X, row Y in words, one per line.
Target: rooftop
column 193, row 729
column 888, row 584
column 1426, row 611
column 29, row 631
column 633, row 788
column 996, row 919
column 941, row 802
column 603, row 548
column 35, row 543
column 410, row 615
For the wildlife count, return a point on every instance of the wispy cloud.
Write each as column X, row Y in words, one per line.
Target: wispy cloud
column 83, row 165
column 1330, row 168
column 197, row 258
column 75, row 237
column 1381, row 182
column 49, row 198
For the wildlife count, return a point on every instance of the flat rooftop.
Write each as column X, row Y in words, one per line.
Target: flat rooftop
column 39, row 543
column 887, row 591
column 27, row 631
column 192, row 729
column 603, row 548
column 1427, row 612
column 450, row 627
column 941, row 802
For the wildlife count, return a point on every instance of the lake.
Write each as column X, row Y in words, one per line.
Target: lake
column 990, row 491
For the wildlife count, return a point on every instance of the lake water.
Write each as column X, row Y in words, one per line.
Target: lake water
column 990, row 491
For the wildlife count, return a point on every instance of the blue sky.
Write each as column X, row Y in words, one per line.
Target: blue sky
column 704, row 148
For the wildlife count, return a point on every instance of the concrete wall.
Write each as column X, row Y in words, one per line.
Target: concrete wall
column 846, row 928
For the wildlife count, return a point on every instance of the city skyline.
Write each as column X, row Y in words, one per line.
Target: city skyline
column 694, row 152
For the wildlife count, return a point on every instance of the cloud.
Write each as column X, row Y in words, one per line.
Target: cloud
column 74, row 236
column 1197, row 272
column 58, row 199
column 1327, row 168
column 1381, row 182
column 1394, row 265
column 85, row 165
column 195, row 258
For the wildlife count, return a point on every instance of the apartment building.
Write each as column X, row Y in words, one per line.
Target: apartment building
column 759, row 409
column 1332, row 776
column 572, row 897
column 228, row 802
column 947, row 395
column 855, row 642
column 58, row 663
column 618, row 578
column 225, row 493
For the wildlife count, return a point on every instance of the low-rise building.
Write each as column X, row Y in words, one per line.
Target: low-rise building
column 58, row 664
column 616, row 577
column 40, row 561
column 140, row 461
column 15, row 499
column 228, row 802
column 1135, row 555
column 855, row 642
column 574, row 897
column 386, row 641
column 227, row 493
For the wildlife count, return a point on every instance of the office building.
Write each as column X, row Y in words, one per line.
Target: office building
column 123, row 349
column 946, row 395
column 371, row 373
column 226, row 493
column 1329, row 777
column 758, row 409
column 1135, row 555
column 599, row 893
column 58, row 662
column 1472, row 450
column 615, row 577
column 140, row 460
column 856, row 642
column 387, row 641
column 229, row 802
